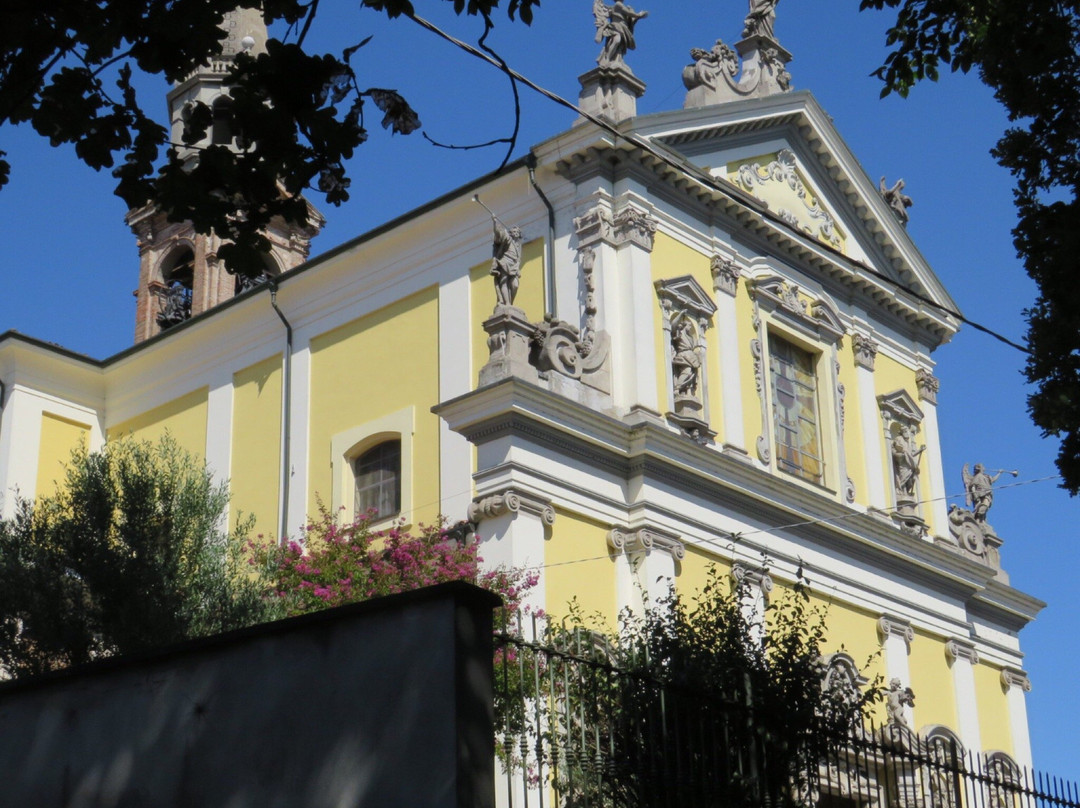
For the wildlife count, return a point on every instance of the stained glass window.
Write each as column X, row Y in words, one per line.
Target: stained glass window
column 795, row 410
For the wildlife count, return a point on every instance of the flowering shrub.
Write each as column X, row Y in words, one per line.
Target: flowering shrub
column 334, row 564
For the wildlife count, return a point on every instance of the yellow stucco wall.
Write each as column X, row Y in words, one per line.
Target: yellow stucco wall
column 530, row 297
column 184, row 418
column 375, row 365
column 59, row 437
column 579, row 566
column 853, row 631
column 693, row 571
column 932, row 682
column 889, row 376
column 256, row 444
column 995, row 728
column 672, row 259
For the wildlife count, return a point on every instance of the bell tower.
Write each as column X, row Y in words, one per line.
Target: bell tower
column 179, row 271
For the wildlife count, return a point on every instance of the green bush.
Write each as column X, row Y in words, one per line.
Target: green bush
column 129, row 554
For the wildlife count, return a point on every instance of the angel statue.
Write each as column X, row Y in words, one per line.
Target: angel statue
column 979, row 489
column 896, row 699
column 896, row 199
column 615, row 27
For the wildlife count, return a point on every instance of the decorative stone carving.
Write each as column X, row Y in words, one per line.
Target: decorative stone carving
column 961, row 649
column 928, row 385
column 752, row 577
column 634, row 226
column 763, row 444
column 979, row 489
column 896, row 199
column 687, row 313
column 841, row 395
column 509, row 501
column 888, row 626
column 725, row 274
column 594, row 226
column 556, row 345
column 818, row 319
column 1014, row 677
column 896, row 699
column 509, row 345
column 174, row 303
column 842, row 681
column 711, row 77
column 783, row 170
column 865, row 349
column 615, row 28
column 646, row 539
column 968, row 527
column 901, row 418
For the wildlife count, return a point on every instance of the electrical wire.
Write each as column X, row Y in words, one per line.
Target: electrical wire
column 702, row 177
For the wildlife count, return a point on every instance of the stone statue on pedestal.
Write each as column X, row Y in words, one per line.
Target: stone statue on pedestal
column 615, row 28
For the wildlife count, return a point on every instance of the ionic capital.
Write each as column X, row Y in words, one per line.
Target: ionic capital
column 1015, row 677
column 646, row 539
column 889, row 626
column 961, row 649
column 510, row 501
column 757, row 577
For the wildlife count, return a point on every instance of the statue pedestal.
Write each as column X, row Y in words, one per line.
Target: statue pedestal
column 908, row 520
column 610, row 92
column 687, row 417
column 509, row 332
column 763, row 65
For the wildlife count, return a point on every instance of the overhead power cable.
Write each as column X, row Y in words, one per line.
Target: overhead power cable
column 697, row 175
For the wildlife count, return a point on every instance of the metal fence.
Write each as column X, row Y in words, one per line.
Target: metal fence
column 575, row 729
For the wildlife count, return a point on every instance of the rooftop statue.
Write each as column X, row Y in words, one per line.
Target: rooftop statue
column 896, row 199
column 505, row 258
column 760, row 20
column 615, row 27
column 979, row 489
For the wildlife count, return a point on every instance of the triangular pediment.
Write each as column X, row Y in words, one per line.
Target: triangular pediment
column 900, row 406
column 686, row 294
column 784, row 151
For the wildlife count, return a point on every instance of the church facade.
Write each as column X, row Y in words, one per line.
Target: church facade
column 702, row 338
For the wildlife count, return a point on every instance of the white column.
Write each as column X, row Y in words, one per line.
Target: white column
column 896, row 637
column 455, row 379
column 644, row 566
column 963, row 657
column 865, row 350
column 299, row 429
column 725, row 274
column 1016, row 684
column 928, row 387
column 754, row 584
column 512, row 528
column 20, row 440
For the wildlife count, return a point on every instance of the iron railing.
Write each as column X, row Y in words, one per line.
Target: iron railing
column 575, row 729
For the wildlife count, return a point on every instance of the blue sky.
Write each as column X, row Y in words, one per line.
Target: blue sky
column 69, row 264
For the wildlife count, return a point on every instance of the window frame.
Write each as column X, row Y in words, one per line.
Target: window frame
column 387, row 462
column 788, row 466
column 347, row 446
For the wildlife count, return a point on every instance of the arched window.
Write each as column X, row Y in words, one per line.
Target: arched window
column 178, row 275
column 944, row 755
column 221, row 128
column 1004, row 786
column 378, row 479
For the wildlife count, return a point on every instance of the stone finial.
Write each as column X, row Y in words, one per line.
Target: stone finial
column 928, row 385
column 865, row 349
column 896, row 199
column 725, row 274
column 711, row 79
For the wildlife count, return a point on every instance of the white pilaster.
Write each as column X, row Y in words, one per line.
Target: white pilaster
column 963, row 657
column 754, row 584
column 645, row 566
column 219, row 414
column 512, row 528
column 1016, row 684
column 455, row 379
column 939, row 508
column 896, row 636
column 20, row 437
column 299, row 429
column 871, row 432
column 726, row 283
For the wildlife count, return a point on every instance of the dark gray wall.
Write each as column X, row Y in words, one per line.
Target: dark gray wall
column 385, row 703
